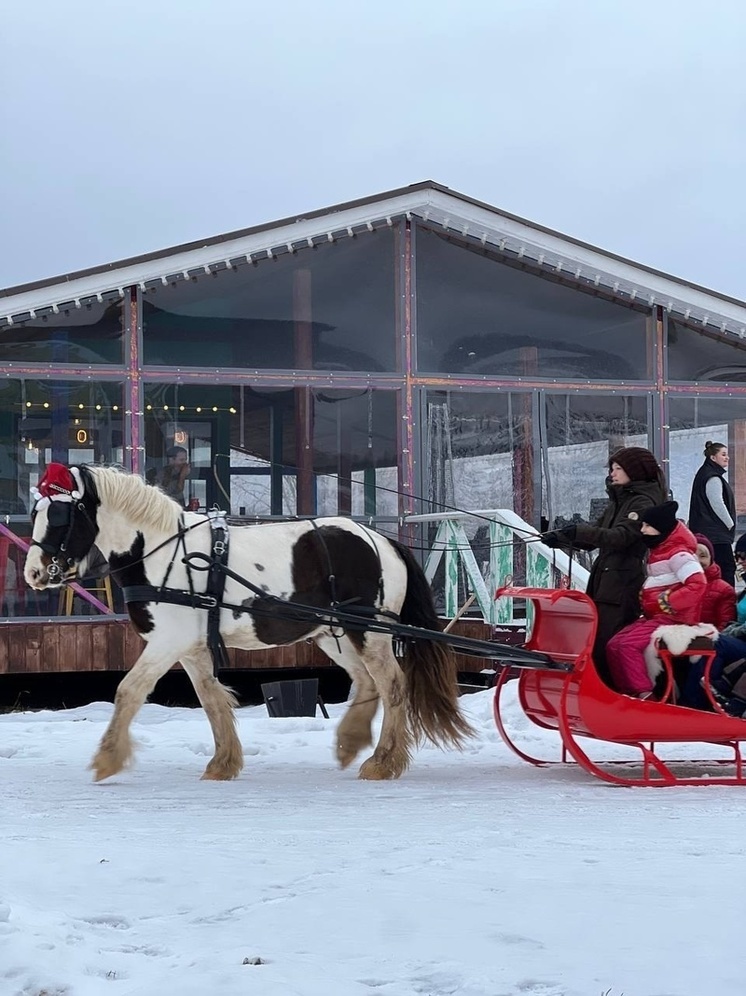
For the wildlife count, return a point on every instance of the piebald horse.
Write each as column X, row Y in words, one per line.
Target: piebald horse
column 145, row 535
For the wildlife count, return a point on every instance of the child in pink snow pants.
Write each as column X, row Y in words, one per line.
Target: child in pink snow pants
column 672, row 593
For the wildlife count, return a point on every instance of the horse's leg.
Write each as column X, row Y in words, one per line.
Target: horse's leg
column 354, row 731
column 219, row 703
column 115, row 750
column 392, row 754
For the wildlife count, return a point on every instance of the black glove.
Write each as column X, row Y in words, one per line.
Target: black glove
column 560, row 537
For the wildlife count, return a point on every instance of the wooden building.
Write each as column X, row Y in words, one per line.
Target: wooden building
column 378, row 358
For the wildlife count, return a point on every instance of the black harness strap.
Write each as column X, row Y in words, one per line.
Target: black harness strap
column 215, row 588
column 334, row 601
column 212, row 597
column 62, row 512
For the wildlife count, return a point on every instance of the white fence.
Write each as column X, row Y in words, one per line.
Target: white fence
column 545, row 568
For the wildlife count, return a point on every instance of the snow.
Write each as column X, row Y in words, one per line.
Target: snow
column 473, row 875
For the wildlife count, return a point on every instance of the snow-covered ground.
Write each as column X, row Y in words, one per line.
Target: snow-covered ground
column 473, row 875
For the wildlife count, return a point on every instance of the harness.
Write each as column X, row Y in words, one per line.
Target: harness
column 212, row 597
column 338, row 615
column 348, row 615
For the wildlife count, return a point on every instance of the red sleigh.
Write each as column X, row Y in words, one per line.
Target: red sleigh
column 581, row 707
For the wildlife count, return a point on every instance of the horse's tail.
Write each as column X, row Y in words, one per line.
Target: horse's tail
column 430, row 667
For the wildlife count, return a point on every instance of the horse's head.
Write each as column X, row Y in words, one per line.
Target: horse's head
column 64, row 526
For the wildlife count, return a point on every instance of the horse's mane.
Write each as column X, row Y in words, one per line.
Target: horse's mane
column 141, row 503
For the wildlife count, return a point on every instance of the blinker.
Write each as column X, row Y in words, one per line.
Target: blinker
column 59, row 513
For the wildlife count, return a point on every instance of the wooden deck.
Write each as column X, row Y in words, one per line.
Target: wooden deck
column 98, row 643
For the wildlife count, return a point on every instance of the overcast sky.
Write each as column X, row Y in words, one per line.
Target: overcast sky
column 131, row 125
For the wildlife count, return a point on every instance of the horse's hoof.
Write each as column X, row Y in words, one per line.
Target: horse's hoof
column 346, row 755
column 372, row 771
column 218, row 774
column 102, row 770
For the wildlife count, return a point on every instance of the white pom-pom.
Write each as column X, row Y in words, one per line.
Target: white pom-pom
column 80, row 490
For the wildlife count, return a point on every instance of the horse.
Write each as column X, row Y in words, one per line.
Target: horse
column 146, row 536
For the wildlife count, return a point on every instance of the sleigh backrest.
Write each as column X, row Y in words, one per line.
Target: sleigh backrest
column 564, row 621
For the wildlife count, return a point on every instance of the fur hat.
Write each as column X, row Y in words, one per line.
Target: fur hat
column 662, row 517
column 703, row 541
column 637, row 463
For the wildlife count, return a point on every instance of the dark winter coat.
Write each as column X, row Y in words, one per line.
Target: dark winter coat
column 618, row 572
column 702, row 519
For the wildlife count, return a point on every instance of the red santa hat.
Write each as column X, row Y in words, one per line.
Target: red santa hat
column 59, row 483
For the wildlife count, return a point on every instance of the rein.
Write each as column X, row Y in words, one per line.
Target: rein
column 337, row 616
column 178, row 536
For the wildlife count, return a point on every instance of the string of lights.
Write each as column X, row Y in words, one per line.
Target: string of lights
column 47, row 405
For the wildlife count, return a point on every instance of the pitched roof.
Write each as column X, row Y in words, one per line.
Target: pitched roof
column 428, row 201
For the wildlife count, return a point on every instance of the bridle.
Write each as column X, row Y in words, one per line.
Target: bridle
column 60, row 514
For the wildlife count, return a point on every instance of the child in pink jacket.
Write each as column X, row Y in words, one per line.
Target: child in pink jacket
column 672, row 593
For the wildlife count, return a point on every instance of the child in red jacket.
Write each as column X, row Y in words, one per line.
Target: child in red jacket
column 672, row 593
column 719, row 603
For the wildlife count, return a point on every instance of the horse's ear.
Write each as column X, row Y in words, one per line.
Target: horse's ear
column 85, row 482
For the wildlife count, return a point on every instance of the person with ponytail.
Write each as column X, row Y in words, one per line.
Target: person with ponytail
column 712, row 508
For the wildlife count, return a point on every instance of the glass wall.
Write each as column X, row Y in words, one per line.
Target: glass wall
column 43, row 421
column 579, row 433
column 330, row 435
column 328, row 308
column 53, row 420
column 91, row 333
column 696, row 355
column 480, row 450
column 695, row 421
column 264, row 451
column 544, row 456
column 476, row 315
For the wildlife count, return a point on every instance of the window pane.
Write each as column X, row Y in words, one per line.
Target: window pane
column 41, row 422
column 62, row 421
column 89, row 334
column 695, row 421
column 582, row 433
column 696, row 355
column 480, row 450
column 263, row 451
column 330, row 308
column 476, row 315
